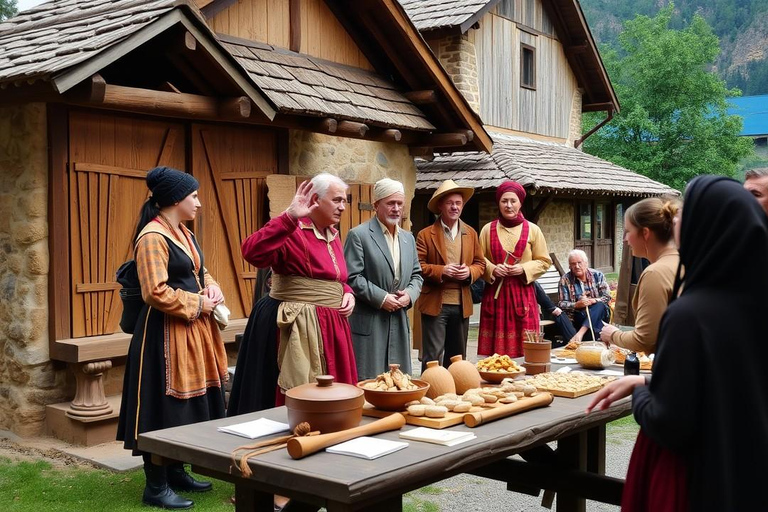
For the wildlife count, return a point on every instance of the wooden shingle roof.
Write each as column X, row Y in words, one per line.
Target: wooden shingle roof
column 547, row 168
column 57, row 35
column 440, row 14
column 302, row 84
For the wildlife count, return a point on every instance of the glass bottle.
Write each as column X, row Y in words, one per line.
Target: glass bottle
column 631, row 364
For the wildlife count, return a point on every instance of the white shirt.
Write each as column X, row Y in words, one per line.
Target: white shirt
column 393, row 242
column 451, row 232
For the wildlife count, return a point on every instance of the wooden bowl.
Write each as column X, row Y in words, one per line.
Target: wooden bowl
column 393, row 400
column 497, row 377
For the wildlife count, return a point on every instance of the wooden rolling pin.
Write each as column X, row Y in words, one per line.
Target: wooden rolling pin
column 473, row 419
column 299, row 447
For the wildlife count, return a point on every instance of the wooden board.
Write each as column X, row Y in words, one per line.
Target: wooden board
column 572, row 394
column 449, row 420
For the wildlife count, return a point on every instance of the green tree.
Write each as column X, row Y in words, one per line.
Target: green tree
column 674, row 123
column 7, row 9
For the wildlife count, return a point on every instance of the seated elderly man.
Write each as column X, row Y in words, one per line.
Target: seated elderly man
column 584, row 289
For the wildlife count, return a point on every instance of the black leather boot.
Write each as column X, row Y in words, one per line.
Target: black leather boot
column 157, row 493
column 180, row 480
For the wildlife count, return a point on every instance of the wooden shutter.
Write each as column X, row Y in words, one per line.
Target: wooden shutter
column 109, row 157
column 232, row 165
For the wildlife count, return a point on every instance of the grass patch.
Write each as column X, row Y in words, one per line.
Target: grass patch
column 622, row 430
column 431, row 489
column 412, row 503
column 36, row 486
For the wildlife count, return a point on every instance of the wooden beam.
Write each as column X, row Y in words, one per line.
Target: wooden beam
column 383, row 135
column 540, row 208
column 421, row 97
column 295, row 25
column 92, row 90
column 597, row 107
column 169, row 87
column 446, row 140
column 327, row 125
column 576, row 49
column 191, row 73
column 14, row 94
column 147, row 101
column 236, row 107
column 469, row 133
column 351, row 129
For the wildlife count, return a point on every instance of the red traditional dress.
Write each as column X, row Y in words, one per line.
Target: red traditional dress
column 504, row 318
column 297, row 249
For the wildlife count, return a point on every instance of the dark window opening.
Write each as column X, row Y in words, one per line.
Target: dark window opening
column 528, row 67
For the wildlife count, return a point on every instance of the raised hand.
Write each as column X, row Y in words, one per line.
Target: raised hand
column 302, row 204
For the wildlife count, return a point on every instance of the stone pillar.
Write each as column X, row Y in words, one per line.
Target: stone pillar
column 574, row 120
column 28, row 379
column 458, row 56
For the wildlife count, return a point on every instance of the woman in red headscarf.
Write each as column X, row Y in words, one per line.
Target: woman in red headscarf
column 516, row 255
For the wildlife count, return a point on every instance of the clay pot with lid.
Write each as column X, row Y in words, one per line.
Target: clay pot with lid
column 326, row 405
column 465, row 374
column 439, row 378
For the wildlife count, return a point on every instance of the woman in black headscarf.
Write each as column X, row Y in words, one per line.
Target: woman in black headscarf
column 177, row 364
column 703, row 443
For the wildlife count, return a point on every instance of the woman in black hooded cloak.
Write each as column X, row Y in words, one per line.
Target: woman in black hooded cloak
column 703, row 443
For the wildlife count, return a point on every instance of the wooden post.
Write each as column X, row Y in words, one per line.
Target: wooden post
column 295, row 25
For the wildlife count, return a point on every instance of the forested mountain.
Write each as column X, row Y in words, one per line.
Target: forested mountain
column 741, row 25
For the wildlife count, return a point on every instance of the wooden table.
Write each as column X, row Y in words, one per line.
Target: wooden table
column 341, row 483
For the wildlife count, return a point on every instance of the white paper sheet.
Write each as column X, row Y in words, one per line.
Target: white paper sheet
column 367, row 447
column 256, row 428
column 441, row 437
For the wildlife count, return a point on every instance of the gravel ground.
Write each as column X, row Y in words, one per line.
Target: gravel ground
column 472, row 493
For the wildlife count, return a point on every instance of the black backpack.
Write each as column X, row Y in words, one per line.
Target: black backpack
column 130, row 294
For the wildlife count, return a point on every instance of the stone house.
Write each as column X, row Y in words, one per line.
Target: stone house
column 530, row 68
column 249, row 96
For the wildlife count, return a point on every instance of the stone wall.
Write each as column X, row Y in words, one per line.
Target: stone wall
column 357, row 161
column 574, row 121
column 458, row 56
column 556, row 222
column 28, row 379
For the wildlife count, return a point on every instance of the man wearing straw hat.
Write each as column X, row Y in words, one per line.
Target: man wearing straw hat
column 385, row 275
column 451, row 260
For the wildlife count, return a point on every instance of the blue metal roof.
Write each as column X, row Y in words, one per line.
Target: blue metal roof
column 754, row 110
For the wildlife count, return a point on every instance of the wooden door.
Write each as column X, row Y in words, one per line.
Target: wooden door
column 109, row 157
column 232, row 164
column 594, row 233
column 359, row 207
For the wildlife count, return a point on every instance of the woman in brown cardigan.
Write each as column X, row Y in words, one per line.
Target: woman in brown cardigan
column 648, row 231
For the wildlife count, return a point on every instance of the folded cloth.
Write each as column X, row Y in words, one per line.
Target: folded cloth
column 221, row 315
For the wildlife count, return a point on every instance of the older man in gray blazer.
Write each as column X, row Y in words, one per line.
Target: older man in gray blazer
column 385, row 275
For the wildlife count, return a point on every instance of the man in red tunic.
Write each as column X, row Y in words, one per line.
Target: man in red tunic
column 309, row 301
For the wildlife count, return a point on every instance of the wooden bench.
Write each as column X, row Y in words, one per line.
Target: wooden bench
column 91, row 417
